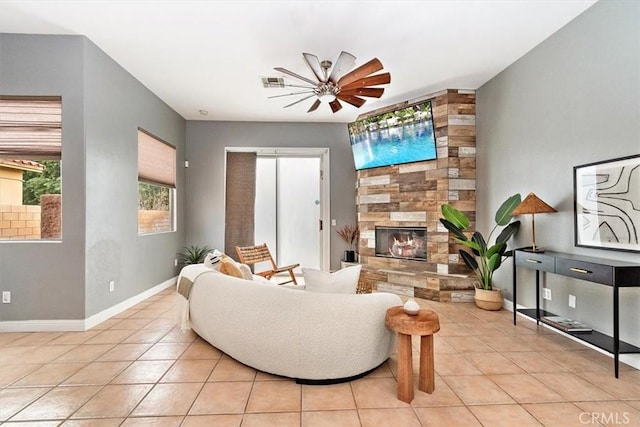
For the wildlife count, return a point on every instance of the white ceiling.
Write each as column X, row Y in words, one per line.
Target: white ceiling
column 210, row 55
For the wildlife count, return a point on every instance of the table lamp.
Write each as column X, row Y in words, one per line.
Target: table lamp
column 532, row 205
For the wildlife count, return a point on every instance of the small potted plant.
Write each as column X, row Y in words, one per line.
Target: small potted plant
column 192, row 254
column 350, row 235
column 484, row 258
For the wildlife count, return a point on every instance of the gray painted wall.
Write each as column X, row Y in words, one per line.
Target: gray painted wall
column 116, row 104
column 103, row 106
column 206, row 142
column 572, row 100
column 46, row 279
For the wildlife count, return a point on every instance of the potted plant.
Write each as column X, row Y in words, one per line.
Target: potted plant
column 192, row 254
column 484, row 258
column 350, row 235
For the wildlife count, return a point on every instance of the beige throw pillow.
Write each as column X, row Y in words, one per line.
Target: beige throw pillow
column 344, row 281
column 229, row 267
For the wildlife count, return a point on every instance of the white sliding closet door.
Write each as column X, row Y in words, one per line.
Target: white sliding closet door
column 288, row 209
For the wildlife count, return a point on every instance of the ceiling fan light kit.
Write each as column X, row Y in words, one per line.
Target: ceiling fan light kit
column 335, row 82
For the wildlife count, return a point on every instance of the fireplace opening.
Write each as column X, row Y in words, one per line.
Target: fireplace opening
column 402, row 242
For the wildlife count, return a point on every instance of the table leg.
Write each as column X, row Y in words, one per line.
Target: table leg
column 616, row 330
column 405, row 369
column 426, row 381
column 515, row 292
column 537, row 297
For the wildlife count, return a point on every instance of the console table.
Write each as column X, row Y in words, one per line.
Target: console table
column 616, row 274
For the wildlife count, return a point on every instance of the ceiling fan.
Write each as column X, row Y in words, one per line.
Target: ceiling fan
column 336, row 83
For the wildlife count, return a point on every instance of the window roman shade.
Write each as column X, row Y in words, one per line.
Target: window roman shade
column 31, row 128
column 156, row 161
column 240, row 201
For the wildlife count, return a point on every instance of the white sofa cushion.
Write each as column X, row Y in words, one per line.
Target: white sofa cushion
column 344, row 281
column 246, row 271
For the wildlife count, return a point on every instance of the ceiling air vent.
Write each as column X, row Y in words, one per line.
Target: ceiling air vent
column 273, row 82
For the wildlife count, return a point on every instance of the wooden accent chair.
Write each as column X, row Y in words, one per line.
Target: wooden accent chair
column 260, row 253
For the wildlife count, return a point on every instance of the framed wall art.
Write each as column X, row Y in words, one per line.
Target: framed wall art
column 607, row 204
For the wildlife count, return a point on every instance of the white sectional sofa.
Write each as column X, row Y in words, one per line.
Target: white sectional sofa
column 311, row 337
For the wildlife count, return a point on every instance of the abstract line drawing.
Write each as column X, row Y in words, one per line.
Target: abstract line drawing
column 607, row 204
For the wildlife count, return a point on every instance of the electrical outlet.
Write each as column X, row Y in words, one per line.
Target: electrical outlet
column 572, row 301
column 112, row 286
column 6, row 297
column 175, row 262
column 546, row 293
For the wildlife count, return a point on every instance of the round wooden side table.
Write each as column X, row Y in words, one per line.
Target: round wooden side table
column 424, row 324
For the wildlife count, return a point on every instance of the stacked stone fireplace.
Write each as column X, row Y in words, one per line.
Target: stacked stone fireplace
column 410, row 195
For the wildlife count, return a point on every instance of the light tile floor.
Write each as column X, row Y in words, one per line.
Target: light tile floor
column 139, row 369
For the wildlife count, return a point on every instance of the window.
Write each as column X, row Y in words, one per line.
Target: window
column 156, row 185
column 30, row 160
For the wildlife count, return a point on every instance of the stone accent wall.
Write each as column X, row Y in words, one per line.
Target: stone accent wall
column 411, row 195
column 19, row 222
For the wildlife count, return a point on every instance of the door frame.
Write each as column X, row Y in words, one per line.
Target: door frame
column 325, row 188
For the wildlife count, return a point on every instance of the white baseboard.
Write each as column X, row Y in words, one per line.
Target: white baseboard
column 632, row 360
column 98, row 318
column 83, row 324
column 42, row 325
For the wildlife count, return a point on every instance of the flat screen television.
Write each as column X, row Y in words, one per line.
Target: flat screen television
column 402, row 136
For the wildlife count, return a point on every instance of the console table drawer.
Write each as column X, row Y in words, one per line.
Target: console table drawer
column 538, row 261
column 585, row 270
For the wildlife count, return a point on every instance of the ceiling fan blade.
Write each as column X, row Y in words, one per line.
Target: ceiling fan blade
column 362, row 71
column 345, row 62
column 350, row 99
column 302, row 86
column 314, row 64
column 372, row 92
column 315, row 106
column 297, row 76
column 299, row 100
column 335, row 105
column 378, row 79
column 289, row 94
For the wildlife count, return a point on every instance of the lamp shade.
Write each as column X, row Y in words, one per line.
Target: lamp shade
column 532, row 205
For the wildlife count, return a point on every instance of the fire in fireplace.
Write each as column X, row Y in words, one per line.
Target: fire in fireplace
column 402, row 242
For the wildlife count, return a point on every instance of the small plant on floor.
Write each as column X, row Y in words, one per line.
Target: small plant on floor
column 192, row 254
column 483, row 258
